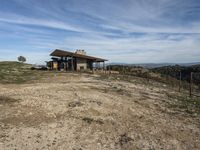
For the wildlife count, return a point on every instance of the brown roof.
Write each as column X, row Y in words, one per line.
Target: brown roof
column 62, row 53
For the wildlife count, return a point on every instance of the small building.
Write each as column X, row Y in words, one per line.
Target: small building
column 79, row 60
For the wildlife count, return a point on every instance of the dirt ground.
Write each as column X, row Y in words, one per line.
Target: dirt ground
column 69, row 111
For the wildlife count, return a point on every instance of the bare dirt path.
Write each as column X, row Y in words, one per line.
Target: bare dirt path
column 80, row 112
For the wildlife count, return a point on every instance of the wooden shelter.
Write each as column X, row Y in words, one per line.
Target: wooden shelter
column 69, row 61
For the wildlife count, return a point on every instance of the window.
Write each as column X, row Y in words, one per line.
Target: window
column 81, row 67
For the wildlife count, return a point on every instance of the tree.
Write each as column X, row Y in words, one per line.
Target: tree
column 21, row 59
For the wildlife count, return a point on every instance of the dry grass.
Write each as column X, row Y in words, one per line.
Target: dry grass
column 85, row 111
column 18, row 73
column 7, row 100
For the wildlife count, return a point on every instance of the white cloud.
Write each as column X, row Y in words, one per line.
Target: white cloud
column 106, row 28
column 16, row 19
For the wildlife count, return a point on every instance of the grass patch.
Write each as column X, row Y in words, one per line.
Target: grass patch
column 124, row 139
column 7, row 100
column 91, row 120
column 190, row 105
column 75, row 104
column 15, row 72
column 97, row 102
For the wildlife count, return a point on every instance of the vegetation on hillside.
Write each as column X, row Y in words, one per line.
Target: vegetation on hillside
column 163, row 74
column 143, row 73
column 16, row 72
column 170, row 75
column 174, row 71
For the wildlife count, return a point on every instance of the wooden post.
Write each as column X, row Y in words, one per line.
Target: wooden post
column 191, row 83
column 104, row 67
column 52, row 65
column 180, row 82
column 92, row 67
column 109, row 69
column 72, row 61
column 99, row 65
column 67, row 64
column 123, row 69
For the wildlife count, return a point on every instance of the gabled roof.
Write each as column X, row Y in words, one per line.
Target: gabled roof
column 63, row 53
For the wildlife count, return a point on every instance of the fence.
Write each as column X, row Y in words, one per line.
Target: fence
column 194, row 88
column 189, row 83
column 184, row 81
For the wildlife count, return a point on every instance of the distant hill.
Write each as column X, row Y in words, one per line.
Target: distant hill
column 156, row 65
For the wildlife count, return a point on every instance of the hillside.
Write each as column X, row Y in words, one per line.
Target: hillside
column 174, row 71
column 155, row 65
column 16, row 72
column 95, row 111
column 164, row 74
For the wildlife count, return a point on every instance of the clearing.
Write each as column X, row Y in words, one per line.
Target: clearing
column 86, row 111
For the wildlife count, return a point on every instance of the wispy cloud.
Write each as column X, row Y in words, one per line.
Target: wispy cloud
column 122, row 31
column 15, row 19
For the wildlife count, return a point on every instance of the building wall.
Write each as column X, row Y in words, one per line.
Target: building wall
column 55, row 65
column 81, row 64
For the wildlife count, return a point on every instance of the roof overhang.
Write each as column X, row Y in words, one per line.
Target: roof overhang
column 63, row 53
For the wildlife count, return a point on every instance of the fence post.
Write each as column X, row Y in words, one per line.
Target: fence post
column 180, row 82
column 191, row 83
column 109, row 70
column 123, row 69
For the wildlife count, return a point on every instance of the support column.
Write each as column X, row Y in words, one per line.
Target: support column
column 52, row 65
column 99, row 66
column 67, row 65
column 72, row 61
column 96, row 65
column 104, row 70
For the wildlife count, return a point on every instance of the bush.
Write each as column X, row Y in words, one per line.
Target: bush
column 21, row 59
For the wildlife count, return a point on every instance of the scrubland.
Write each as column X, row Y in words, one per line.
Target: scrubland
column 80, row 111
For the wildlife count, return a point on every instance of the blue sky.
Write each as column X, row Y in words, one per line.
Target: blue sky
column 129, row 31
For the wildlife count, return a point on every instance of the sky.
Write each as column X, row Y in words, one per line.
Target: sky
column 124, row 31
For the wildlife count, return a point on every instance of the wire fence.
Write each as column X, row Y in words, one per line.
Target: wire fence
column 195, row 84
column 183, row 80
